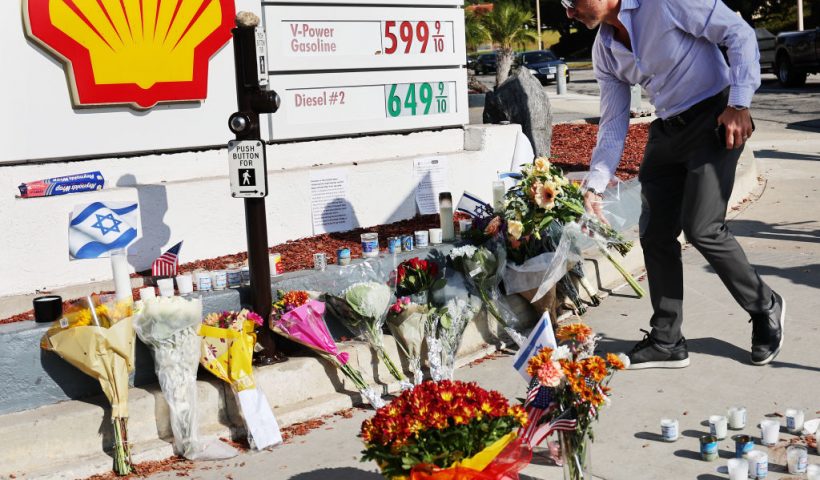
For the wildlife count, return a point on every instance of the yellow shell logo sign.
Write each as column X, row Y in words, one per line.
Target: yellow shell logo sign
column 139, row 52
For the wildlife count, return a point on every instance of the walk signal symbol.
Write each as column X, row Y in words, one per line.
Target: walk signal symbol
column 247, row 177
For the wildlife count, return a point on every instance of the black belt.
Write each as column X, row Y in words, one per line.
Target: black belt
column 696, row 110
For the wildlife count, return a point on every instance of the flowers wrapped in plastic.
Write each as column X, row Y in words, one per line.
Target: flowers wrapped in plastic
column 228, row 342
column 408, row 317
column 447, row 430
column 543, row 198
column 443, row 335
column 362, row 308
column 298, row 317
column 97, row 336
column 482, row 268
column 168, row 325
column 569, row 386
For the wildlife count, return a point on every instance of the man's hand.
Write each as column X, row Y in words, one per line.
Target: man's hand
column 592, row 203
column 738, row 126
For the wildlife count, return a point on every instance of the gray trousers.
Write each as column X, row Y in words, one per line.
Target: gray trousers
column 686, row 179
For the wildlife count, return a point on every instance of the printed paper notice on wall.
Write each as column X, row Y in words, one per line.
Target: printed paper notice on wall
column 328, row 201
column 430, row 176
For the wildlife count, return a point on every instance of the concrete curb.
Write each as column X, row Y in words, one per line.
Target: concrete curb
column 67, row 440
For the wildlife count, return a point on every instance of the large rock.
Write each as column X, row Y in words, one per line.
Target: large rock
column 522, row 100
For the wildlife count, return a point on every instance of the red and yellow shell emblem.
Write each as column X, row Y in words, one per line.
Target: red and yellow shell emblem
column 138, row 52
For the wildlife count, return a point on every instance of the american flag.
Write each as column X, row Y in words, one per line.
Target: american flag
column 167, row 263
column 539, row 404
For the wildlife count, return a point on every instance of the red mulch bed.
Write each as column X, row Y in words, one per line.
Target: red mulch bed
column 571, row 148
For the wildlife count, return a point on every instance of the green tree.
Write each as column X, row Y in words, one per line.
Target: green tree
column 508, row 25
column 474, row 30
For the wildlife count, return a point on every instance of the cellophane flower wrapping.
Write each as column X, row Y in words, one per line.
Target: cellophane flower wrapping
column 359, row 299
column 305, row 324
column 444, row 333
column 407, row 322
column 96, row 335
column 228, row 341
column 482, row 267
column 168, row 325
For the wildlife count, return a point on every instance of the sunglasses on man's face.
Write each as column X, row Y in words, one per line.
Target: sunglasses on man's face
column 568, row 3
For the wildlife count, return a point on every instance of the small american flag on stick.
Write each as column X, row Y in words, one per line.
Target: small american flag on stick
column 167, row 263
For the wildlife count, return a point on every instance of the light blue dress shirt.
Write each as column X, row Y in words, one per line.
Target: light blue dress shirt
column 676, row 59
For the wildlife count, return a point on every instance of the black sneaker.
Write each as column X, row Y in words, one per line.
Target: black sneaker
column 649, row 354
column 767, row 331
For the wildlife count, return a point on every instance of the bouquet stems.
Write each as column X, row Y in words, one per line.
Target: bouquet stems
column 356, row 377
column 629, row 278
column 122, row 453
column 493, row 309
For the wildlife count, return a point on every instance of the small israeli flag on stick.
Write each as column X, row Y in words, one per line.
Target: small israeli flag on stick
column 473, row 206
column 98, row 228
column 540, row 337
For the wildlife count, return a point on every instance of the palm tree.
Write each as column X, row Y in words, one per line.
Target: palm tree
column 474, row 30
column 507, row 25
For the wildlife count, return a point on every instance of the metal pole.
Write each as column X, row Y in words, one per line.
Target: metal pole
column 800, row 15
column 538, row 19
column 248, row 94
column 561, row 79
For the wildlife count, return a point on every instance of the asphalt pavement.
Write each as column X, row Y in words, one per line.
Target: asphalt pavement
column 779, row 227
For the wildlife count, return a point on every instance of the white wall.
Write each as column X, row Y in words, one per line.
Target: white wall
column 186, row 197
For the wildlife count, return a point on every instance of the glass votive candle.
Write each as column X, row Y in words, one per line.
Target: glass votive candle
column 219, row 280
column 203, row 281
column 147, row 292
column 669, row 429
column 370, row 244
column 797, row 458
column 436, row 235
column 234, row 277
column 166, row 287
column 185, row 284
column 769, row 432
column 743, row 445
column 708, row 448
column 717, row 426
column 422, row 238
column 737, row 418
column 758, row 464
column 813, row 472
column 738, row 468
column 794, row 420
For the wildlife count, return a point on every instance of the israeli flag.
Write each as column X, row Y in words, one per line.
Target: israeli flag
column 473, row 206
column 98, row 228
column 540, row 337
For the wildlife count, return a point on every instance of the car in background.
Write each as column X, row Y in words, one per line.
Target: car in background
column 766, row 44
column 472, row 58
column 797, row 54
column 543, row 64
column 486, row 63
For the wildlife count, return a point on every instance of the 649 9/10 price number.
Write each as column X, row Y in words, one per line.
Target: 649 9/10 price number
column 415, row 99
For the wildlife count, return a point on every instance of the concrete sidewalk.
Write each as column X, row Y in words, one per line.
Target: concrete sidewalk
column 781, row 234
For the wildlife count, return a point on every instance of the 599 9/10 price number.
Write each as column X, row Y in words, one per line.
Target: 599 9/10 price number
column 417, row 99
column 417, row 37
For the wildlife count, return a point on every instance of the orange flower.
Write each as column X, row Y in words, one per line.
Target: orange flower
column 550, row 374
column 574, row 331
column 615, row 361
column 594, row 368
column 493, row 226
column 543, row 357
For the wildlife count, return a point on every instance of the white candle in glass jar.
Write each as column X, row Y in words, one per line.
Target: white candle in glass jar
column 738, row 468
column 499, row 189
column 166, row 287
column 147, row 293
column 794, row 420
column 717, row 426
column 185, row 284
column 737, row 418
column 769, row 432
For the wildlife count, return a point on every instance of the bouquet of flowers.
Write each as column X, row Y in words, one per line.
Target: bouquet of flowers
column 298, row 317
column 168, row 325
column 444, row 332
column 228, row 342
column 97, row 336
column 543, row 196
column 408, row 316
column 568, row 388
column 481, row 268
column 446, row 430
column 362, row 308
